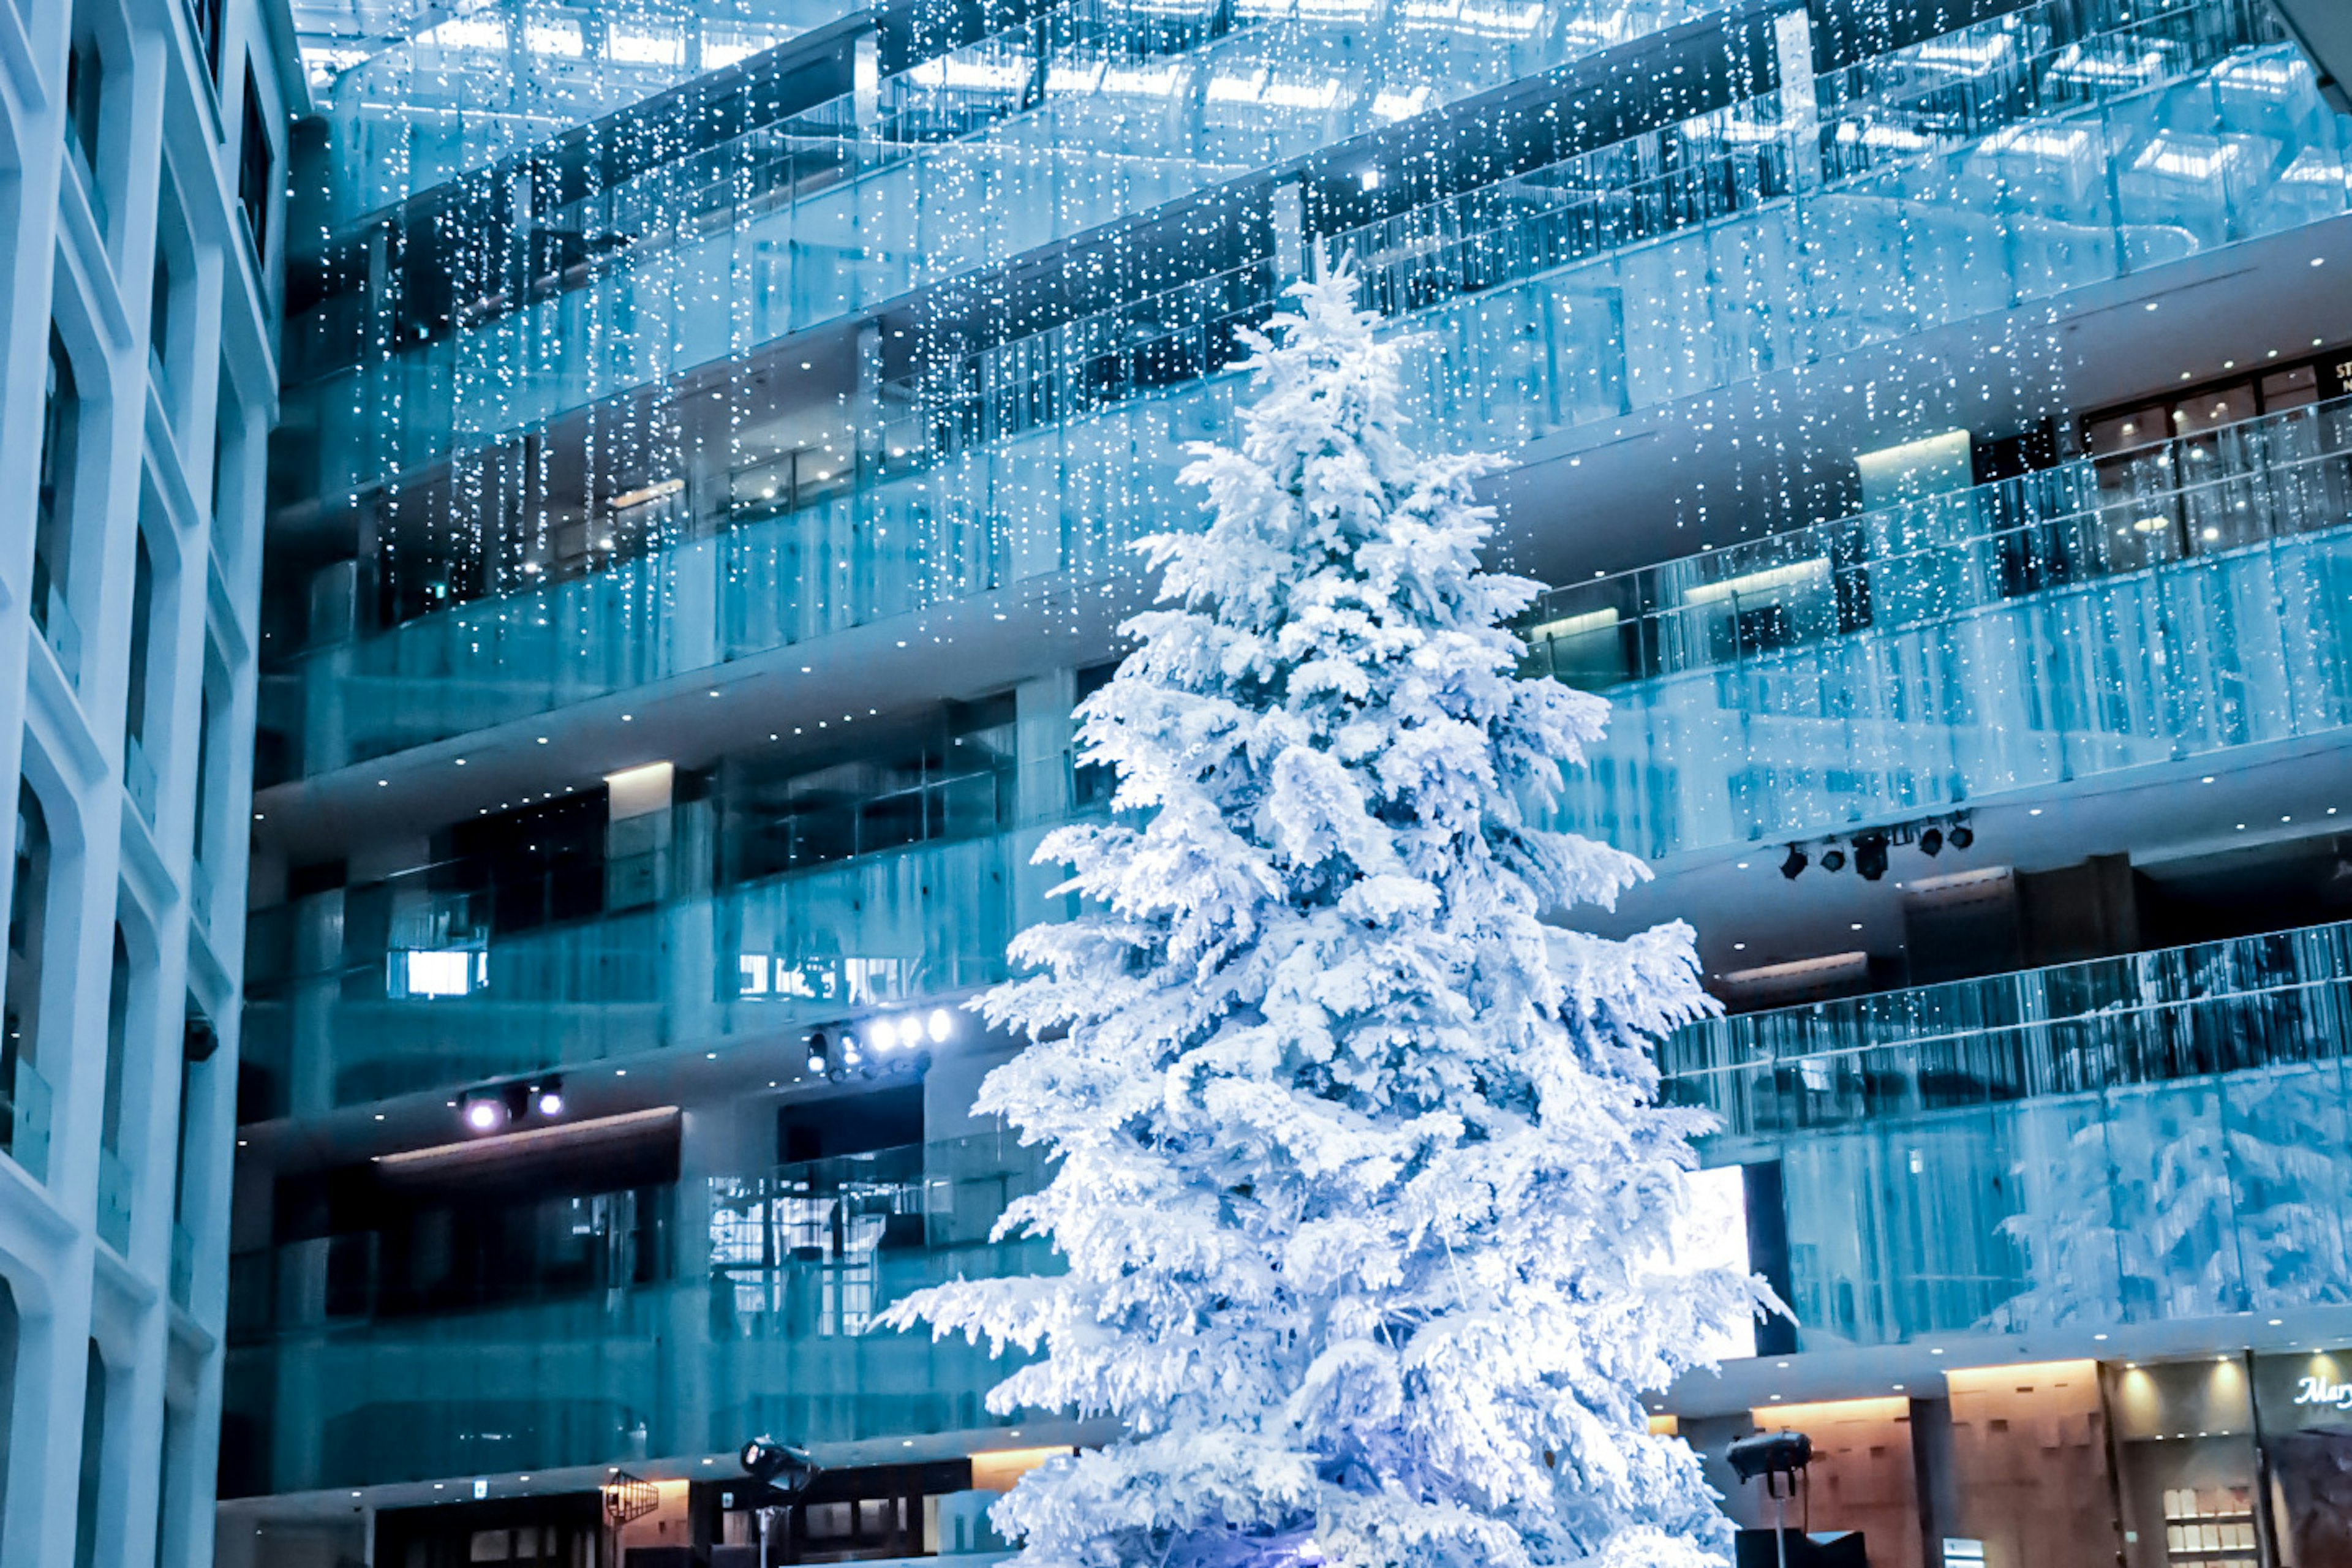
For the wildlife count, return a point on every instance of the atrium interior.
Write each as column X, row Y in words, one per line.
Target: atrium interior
column 593, row 527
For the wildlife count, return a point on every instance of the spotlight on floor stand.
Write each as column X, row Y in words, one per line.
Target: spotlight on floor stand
column 779, row 1466
column 1834, row 861
column 1870, row 857
column 1962, row 835
column 1794, row 866
column 817, row 1051
column 1931, row 842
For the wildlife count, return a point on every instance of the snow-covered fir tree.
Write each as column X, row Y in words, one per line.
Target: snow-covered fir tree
column 1364, row 1189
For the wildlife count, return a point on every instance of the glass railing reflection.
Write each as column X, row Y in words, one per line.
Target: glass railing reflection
column 113, row 1201
column 25, row 1108
column 2181, row 601
column 757, row 961
column 2161, row 1135
column 767, row 1326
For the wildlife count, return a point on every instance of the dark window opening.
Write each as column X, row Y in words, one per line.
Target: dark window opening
column 253, row 168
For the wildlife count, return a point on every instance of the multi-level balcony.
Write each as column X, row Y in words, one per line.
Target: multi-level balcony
column 1961, row 177
column 2131, row 1140
column 699, row 236
column 2181, row 599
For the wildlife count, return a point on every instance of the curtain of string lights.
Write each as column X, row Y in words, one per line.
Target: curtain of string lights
column 632, row 340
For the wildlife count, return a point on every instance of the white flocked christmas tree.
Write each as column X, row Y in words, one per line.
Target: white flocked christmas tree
column 1366, row 1198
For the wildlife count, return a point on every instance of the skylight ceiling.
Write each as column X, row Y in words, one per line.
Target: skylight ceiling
column 418, row 91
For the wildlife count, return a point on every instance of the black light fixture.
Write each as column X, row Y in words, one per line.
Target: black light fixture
column 1931, row 841
column 1962, row 835
column 1870, row 857
column 817, row 1047
column 547, row 1096
column 1794, row 866
column 776, row 1465
column 484, row 1112
column 1834, row 861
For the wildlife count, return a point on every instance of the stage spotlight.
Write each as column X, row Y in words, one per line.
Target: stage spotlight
column 941, row 1025
column 1794, row 866
column 1870, row 857
column 548, row 1098
column 1931, row 842
column 1834, row 861
column 778, row 1464
column 817, row 1051
column 485, row 1112
column 1962, row 835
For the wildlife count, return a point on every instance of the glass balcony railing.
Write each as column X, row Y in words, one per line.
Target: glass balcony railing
column 1094, row 112
column 183, row 1266
column 2130, row 1140
column 765, row 1324
column 754, row 962
column 139, row 779
column 24, row 1118
column 200, row 897
column 58, row 627
column 1919, row 217
column 113, row 1201
column 2156, row 1137
column 1953, row 130
column 2174, row 601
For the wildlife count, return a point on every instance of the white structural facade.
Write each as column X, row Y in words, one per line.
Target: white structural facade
column 142, row 156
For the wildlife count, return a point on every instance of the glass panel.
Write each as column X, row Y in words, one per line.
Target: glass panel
column 771, row 1331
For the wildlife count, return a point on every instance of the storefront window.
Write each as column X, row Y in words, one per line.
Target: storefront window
column 2187, row 1466
column 2305, row 1404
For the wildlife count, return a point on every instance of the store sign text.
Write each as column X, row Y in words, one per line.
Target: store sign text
column 2319, row 1391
